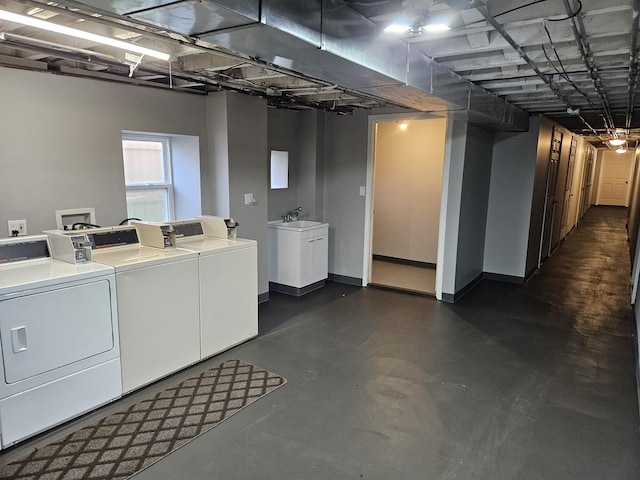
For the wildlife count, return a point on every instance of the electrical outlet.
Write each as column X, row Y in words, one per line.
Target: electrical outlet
column 19, row 226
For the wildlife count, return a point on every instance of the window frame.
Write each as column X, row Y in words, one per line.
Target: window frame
column 167, row 164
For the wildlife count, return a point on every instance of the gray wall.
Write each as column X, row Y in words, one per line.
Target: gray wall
column 466, row 181
column 247, row 164
column 473, row 206
column 301, row 133
column 455, row 151
column 217, row 164
column 283, row 135
column 513, row 169
column 60, row 142
column 345, row 170
column 310, row 164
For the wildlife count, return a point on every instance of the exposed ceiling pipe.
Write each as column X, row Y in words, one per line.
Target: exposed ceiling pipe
column 577, row 26
column 633, row 64
column 107, row 19
column 478, row 5
column 482, row 9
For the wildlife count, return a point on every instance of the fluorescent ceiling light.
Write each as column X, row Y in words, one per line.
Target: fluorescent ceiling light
column 397, row 28
column 616, row 142
column 72, row 32
column 621, row 150
column 436, row 27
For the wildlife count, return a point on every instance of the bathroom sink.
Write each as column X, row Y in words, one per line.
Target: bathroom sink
column 302, row 224
column 299, row 225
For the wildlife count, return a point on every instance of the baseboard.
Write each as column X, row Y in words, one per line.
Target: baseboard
column 403, row 261
column 263, row 297
column 295, row 291
column 345, row 279
column 454, row 297
column 498, row 277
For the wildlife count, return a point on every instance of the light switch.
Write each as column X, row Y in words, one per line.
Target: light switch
column 363, row 190
column 248, row 199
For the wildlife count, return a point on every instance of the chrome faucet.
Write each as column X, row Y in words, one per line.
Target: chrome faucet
column 291, row 215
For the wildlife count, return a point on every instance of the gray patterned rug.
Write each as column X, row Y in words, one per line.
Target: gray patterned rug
column 124, row 443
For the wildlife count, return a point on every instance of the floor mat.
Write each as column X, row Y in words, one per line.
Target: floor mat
column 126, row 442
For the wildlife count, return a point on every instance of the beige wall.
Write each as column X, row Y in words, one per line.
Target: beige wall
column 408, row 189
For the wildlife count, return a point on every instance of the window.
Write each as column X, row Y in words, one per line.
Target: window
column 147, row 175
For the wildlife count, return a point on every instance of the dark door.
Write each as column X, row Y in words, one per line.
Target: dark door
column 585, row 201
column 568, row 193
column 550, row 200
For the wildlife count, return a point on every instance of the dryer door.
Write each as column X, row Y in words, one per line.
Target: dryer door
column 54, row 328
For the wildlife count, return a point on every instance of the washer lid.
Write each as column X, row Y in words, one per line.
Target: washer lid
column 42, row 273
column 213, row 244
column 123, row 258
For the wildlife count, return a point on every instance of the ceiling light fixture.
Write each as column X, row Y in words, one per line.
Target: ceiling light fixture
column 72, row 32
column 436, row 27
column 621, row 150
column 397, row 28
column 616, row 142
column 403, row 126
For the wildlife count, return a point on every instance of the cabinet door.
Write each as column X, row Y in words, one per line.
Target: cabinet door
column 307, row 252
column 320, row 258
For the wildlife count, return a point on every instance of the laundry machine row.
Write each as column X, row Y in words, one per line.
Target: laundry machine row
column 157, row 299
column 86, row 316
column 186, row 291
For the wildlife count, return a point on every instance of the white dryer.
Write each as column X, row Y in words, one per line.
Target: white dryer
column 228, row 283
column 157, row 304
column 59, row 351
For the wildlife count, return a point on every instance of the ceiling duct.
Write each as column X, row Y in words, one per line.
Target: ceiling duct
column 328, row 40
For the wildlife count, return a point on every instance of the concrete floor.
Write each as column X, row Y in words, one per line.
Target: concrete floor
column 533, row 382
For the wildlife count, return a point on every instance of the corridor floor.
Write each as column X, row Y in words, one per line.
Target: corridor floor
column 533, row 382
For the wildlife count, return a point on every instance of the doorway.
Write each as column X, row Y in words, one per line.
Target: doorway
column 615, row 174
column 408, row 162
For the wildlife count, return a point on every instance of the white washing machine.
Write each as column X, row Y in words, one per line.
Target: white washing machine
column 158, row 307
column 59, row 351
column 228, row 283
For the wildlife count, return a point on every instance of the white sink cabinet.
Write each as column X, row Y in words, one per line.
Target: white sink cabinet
column 298, row 256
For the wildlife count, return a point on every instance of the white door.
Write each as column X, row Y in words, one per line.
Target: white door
column 614, row 179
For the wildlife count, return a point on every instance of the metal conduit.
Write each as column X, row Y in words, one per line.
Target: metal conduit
column 587, row 57
column 478, row 5
column 579, row 30
column 498, row 27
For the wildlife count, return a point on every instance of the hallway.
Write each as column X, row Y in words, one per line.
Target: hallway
column 533, row 382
